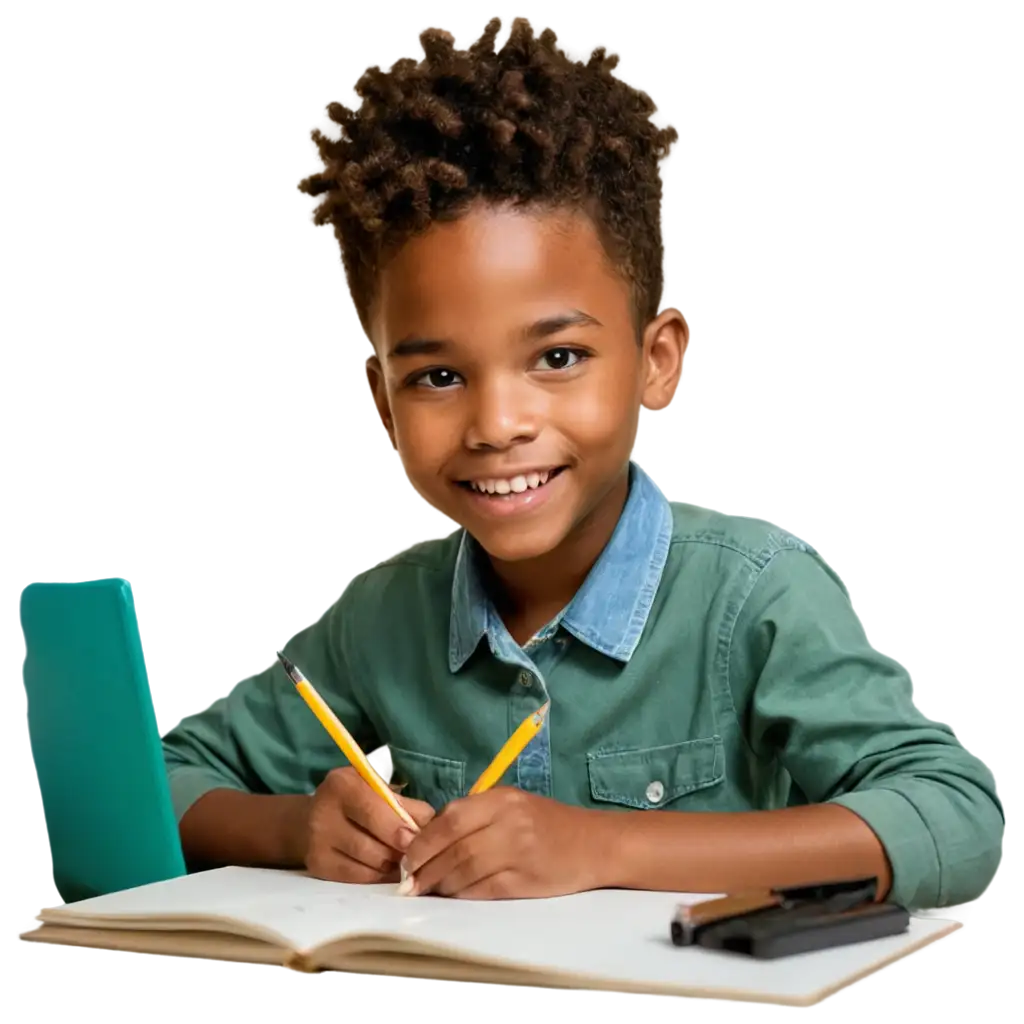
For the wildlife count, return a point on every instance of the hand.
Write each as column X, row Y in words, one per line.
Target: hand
column 352, row 834
column 505, row 844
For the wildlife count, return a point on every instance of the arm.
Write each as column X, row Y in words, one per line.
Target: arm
column 889, row 790
column 734, row 851
column 242, row 773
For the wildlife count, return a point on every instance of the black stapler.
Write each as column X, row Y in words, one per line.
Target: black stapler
column 779, row 922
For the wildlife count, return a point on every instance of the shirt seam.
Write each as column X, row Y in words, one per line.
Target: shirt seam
column 761, row 558
column 730, row 624
column 342, row 666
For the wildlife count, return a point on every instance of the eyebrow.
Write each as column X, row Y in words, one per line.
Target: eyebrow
column 417, row 347
column 413, row 346
column 553, row 324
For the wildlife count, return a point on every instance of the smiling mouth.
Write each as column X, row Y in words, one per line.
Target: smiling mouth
column 509, row 487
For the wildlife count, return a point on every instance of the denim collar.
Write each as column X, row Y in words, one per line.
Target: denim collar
column 609, row 611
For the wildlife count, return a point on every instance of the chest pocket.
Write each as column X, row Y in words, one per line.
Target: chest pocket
column 655, row 776
column 435, row 780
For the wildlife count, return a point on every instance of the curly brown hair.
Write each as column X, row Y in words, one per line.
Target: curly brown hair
column 526, row 125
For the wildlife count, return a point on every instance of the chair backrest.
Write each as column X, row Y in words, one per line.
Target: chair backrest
column 94, row 738
column 108, row 663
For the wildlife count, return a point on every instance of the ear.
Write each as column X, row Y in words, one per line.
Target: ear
column 664, row 345
column 375, row 375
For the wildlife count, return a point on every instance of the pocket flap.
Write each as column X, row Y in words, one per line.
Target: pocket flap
column 654, row 776
column 435, row 780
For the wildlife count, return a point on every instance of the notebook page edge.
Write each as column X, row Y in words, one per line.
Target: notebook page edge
column 215, row 924
column 260, row 902
column 364, row 947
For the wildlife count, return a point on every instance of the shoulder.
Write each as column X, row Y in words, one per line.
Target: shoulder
column 742, row 547
column 419, row 573
column 753, row 540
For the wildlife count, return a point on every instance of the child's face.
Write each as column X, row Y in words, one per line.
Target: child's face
column 507, row 360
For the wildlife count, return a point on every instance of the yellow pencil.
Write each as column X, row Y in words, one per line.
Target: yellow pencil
column 345, row 742
column 529, row 728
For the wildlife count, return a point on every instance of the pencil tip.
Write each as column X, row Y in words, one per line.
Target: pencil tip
column 288, row 666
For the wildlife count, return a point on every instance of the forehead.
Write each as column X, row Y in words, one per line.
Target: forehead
column 496, row 267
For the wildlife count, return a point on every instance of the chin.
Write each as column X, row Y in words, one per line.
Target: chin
column 515, row 545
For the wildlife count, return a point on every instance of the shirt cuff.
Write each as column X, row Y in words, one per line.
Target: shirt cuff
column 188, row 783
column 907, row 841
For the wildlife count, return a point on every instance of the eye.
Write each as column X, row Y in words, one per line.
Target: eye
column 561, row 358
column 435, row 380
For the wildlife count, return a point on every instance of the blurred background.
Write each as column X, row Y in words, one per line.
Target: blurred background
column 844, row 225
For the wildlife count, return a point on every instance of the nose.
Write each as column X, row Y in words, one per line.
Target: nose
column 501, row 415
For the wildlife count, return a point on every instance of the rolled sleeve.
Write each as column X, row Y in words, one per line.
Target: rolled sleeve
column 262, row 737
column 189, row 782
column 839, row 718
column 907, row 839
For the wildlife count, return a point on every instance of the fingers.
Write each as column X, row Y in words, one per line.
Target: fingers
column 334, row 866
column 466, row 863
column 505, row 885
column 356, row 836
column 365, row 809
column 353, row 834
column 459, row 819
column 365, row 849
column 434, row 873
column 331, row 833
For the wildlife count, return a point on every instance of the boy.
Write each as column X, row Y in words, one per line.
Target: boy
column 718, row 719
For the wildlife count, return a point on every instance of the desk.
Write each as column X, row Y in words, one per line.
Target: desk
column 980, row 973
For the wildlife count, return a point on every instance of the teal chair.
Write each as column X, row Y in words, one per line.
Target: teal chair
column 94, row 740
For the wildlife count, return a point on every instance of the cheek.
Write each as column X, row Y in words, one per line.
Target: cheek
column 598, row 413
column 425, row 432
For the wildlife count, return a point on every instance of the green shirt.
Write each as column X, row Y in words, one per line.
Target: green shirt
column 708, row 663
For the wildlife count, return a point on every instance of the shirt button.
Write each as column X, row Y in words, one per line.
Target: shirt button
column 525, row 679
column 655, row 791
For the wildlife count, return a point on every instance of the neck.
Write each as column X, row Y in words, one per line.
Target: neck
column 530, row 593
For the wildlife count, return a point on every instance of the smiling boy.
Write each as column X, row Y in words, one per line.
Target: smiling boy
column 718, row 719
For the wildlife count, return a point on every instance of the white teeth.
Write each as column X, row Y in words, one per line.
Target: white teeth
column 516, row 485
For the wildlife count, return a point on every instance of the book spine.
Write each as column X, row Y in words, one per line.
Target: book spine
column 301, row 962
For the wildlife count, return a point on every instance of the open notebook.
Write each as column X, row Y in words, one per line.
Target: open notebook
column 608, row 939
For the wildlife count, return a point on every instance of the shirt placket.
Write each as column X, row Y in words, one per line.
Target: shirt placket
column 529, row 692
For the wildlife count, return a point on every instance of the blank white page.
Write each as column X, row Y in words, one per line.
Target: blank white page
column 302, row 910
column 215, row 891
column 308, row 911
column 623, row 935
